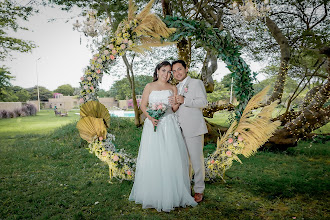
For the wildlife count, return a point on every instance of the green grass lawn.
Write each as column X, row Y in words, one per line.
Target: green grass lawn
column 51, row 175
column 45, row 121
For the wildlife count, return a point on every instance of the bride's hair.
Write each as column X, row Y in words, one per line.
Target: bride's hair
column 160, row 65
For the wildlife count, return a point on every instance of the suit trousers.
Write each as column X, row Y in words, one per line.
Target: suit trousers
column 195, row 151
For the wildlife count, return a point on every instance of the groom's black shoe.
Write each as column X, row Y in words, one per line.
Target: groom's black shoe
column 198, row 197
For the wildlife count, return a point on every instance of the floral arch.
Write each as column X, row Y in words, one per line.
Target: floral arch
column 141, row 32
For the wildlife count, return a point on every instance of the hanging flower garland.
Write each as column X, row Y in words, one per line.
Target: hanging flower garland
column 138, row 33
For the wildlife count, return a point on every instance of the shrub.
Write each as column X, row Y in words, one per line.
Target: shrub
column 31, row 109
column 11, row 114
column 25, row 110
column 18, row 112
column 4, row 114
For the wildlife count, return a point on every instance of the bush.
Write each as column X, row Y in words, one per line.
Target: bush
column 11, row 114
column 32, row 110
column 26, row 110
column 4, row 114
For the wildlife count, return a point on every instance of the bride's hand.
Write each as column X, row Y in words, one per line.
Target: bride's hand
column 154, row 121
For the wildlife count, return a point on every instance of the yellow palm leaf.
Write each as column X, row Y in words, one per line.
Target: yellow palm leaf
column 90, row 127
column 131, row 10
column 96, row 110
column 145, row 11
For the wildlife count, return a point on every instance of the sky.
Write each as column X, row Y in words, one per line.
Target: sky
column 63, row 53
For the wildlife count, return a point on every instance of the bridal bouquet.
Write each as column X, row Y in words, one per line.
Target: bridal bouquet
column 157, row 110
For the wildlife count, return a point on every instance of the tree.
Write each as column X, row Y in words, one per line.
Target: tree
column 5, row 78
column 44, row 93
column 11, row 11
column 102, row 93
column 121, row 90
column 22, row 94
column 66, row 90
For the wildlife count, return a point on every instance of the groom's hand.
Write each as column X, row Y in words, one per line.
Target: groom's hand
column 179, row 99
column 171, row 100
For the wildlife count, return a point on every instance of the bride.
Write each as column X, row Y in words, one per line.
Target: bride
column 162, row 171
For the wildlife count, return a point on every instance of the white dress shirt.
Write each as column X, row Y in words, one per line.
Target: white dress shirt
column 181, row 86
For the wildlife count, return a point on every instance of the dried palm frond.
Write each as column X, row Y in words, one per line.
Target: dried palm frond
column 97, row 110
column 131, row 10
column 90, row 127
column 145, row 11
column 152, row 25
column 255, row 131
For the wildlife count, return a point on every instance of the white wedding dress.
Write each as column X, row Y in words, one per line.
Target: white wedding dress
column 162, row 170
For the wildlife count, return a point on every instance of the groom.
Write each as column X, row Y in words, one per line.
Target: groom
column 192, row 98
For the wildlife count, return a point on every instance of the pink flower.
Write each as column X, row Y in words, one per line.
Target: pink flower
column 212, row 161
column 123, row 46
column 104, row 153
column 95, row 58
column 185, row 89
column 98, row 71
column 228, row 153
column 89, row 78
column 230, row 140
column 128, row 172
column 92, row 87
column 101, row 138
column 81, row 100
column 106, row 52
column 82, row 78
column 160, row 106
column 130, row 42
column 85, row 87
column 115, row 158
column 112, row 57
column 114, row 52
column 240, row 138
column 125, row 41
column 110, row 46
column 99, row 60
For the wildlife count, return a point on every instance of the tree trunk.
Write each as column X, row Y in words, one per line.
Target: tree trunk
column 311, row 117
column 184, row 53
column 285, row 58
column 130, row 77
column 208, row 70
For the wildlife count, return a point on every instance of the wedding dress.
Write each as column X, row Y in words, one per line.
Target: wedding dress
column 162, row 170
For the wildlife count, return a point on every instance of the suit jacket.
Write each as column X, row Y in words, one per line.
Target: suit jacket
column 190, row 114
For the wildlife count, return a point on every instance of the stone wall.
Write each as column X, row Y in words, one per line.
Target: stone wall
column 10, row 106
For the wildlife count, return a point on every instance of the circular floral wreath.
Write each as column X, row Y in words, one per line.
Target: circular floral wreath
column 142, row 31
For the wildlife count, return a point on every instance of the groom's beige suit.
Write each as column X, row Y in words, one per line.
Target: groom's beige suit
column 193, row 126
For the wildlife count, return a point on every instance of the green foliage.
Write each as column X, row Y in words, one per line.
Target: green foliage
column 11, row 12
column 220, row 93
column 5, row 78
column 102, row 93
column 121, row 89
column 226, row 49
column 44, row 93
column 117, row 9
column 66, row 90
